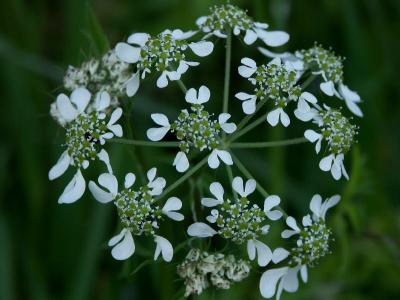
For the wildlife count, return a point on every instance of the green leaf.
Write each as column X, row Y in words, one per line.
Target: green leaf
column 96, row 35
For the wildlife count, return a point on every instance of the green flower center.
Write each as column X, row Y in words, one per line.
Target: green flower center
column 196, row 129
column 312, row 245
column 320, row 59
column 277, row 83
column 337, row 131
column 137, row 211
column 225, row 16
column 83, row 137
column 239, row 222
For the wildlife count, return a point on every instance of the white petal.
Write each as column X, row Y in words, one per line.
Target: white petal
column 285, row 120
column 217, row 190
column 249, row 107
column 279, row 255
column 66, row 109
column 223, row 117
column 130, row 179
column 151, row 174
column 354, row 108
column 110, row 182
column 164, row 247
column 344, row 172
column 172, row 204
column 274, row 215
column 288, row 233
column 210, row 202
column 270, row 202
column 269, row 280
column 191, row 96
column 334, row 200
column 273, row 116
column 304, row 273
column 102, row 101
column 229, row 127
column 201, row 230
column 204, row 94
column 249, row 63
column 162, row 81
column 132, row 85
column 309, row 97
column 80, row 97
column 291, row 222
column 157, row 134
column 138, row 38
column 315, row 205
column 213, row 161
column 244, row 96
column 160, row 119
column 290, row 280
column 115, row 116
column 307, row 221
column 238, row 186
column 74, row 190
column 181, row 162
column 250, row 187
column 326, row 163
column 250, row 37
column 274, row 38
column 311, row 135
column 202, row 48
column 61, row 166
column 103, row 156
column 127, row 53
column 175, row 216
column 225, row 156
column 264, row 253
column 178, row 34
column 349, row 94
column 251, row 249
column 124, row 249
column 117, row 238
column 328, row 88
column 99, row 194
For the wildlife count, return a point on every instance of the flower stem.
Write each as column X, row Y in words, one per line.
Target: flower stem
column 184, row 177
column 247, row 128
column 269, row 144
column 308, row 81
column 259, row 188
column 228, row 58
column 144, row 143
column 230, row 176
column 249, row 117
column 182, row 86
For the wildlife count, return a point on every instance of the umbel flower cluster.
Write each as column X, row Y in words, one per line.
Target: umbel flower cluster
column 277, row 89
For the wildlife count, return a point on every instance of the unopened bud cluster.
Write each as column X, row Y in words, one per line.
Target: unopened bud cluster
column 325, row 61
column 238, row 221
column 337, row 131
column 108, row 74
column 196, row 129
column 277, row 83
column 84, row 136
column 137, row 211
column 312, row 245
column 201, row 270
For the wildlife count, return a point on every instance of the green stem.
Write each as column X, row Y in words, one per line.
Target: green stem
column 259, row 188
column 247, row 128
column 230, row 176
column 144, row 143
column 182, row 86
column 269, row 144
column 228, row 58
column 184, row 177
column 308, row 81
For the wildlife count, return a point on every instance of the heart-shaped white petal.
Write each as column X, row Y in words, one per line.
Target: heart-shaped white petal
column 274, row 38
column 130, row 179
column 80, row 97
column 138, row 38
column 65, row 108
column 328, row 88
column 290, row 280
column 250, row 37
column 124, row 246
column 164, row 247
column 326, row 163
column 269, row 281
column 102, row 101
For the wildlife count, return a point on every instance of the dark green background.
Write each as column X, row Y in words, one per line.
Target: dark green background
column 48, row 251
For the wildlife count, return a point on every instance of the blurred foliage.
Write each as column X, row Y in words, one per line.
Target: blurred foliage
column 48, row 251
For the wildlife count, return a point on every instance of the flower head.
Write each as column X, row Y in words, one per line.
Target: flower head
column 238, row 220
column 230, row 17
column 164, row 53
column 273, row 81
column 138, row 212
column 311, row 246
column 86, row 133
column 195, row 130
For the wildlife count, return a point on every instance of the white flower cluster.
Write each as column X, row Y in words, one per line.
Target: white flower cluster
column 279, row 88
column 201, row 270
